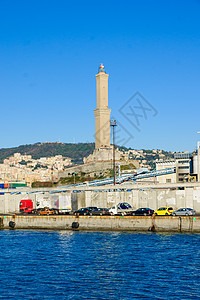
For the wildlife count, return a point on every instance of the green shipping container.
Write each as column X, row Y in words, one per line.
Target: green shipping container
column 17, row 184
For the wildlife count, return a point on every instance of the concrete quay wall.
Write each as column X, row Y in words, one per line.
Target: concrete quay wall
column 189, row 197
column 103, row 223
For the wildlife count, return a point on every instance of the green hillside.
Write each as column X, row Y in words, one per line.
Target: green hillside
column 74, row 151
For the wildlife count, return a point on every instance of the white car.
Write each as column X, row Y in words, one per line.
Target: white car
column 121, row 209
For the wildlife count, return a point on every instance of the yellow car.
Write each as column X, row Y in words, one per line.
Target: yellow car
column 163, row 211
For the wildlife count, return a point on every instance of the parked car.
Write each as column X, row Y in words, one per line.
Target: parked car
column 92, row 207
column 121, row 209
column 184, row 212
column 101, row 212
column 143, row 212
column 85, row 211
column 46, row 211
column 163, row 211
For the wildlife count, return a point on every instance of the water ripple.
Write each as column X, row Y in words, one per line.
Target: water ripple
column 98, row 265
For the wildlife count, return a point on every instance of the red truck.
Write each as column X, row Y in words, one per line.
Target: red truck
column 26, row 206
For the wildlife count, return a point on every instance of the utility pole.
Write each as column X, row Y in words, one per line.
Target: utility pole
column 119, row 170
column 113, row 123
column 74, row 178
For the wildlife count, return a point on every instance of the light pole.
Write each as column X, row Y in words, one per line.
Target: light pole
column 74, row 178
column 113, row 123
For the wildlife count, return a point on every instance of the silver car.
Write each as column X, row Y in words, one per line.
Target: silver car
column 184, row 212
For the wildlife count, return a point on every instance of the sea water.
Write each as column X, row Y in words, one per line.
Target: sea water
column 98, row 265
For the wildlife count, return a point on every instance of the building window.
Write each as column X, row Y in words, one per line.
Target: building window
column 183, row 174
column 183, row 167
column 168, row 181
column 183, row 161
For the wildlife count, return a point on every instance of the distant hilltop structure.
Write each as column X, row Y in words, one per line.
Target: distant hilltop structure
column 103, row 150
column 100, row 162
column 102, row 112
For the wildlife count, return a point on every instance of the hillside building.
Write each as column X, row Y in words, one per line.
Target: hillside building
column 184, row 166
column 187, row 167
column 168, row 178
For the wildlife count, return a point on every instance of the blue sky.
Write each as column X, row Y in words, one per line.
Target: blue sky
column 50, row 52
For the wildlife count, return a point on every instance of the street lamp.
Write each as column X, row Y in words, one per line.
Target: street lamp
column 74, row 177
column 113, row 123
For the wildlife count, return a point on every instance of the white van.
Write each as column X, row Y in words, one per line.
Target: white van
column 121, row 209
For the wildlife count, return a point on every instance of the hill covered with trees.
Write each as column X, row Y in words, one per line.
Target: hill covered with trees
column 75, row 151
column 78, row 151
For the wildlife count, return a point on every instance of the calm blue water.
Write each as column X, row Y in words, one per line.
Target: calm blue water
column 98, row 265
